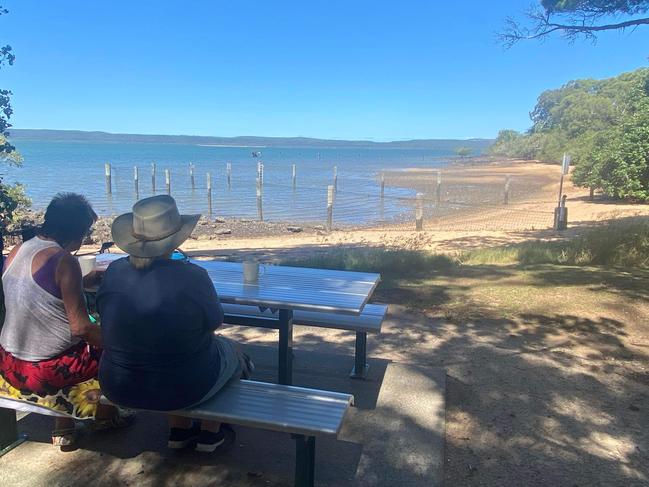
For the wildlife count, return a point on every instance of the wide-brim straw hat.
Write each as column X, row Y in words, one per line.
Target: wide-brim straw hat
column 154, row 228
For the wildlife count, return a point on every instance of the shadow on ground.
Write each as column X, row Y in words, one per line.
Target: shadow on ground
column 536, row 394
column 363, row 455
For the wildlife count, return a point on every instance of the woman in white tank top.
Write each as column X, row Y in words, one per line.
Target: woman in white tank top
column 47, row 343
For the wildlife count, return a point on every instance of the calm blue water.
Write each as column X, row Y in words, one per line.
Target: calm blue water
column 50, row 167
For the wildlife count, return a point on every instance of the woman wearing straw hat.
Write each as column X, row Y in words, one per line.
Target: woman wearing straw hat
column 158, row 320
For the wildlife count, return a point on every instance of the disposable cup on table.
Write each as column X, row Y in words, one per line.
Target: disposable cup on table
column 88, row 263
column 251, row 272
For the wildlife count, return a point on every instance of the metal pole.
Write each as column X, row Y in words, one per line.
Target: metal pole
column 228, row 170
column 260, row 209
column 294, row 177
column 330, row 207
column 191, row 175
column 564, row 170
column 109, row 186
column 335, row 179
column 168, row 181
column 419, row 212
column 209, row 194
column 153, row 177
column 136, row 182
column 285, row 347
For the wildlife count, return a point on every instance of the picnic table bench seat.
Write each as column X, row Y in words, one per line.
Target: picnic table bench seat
column 369, row 321
column 303, row 413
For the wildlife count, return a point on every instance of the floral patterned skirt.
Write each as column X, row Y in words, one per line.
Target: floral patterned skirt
column 66, row 383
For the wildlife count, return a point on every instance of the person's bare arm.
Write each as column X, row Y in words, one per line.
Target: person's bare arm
column 68, row 275
column 11, row 256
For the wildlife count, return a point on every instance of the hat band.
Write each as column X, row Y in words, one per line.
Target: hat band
column 155, row 239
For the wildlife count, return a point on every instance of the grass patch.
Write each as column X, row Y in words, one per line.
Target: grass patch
column 391, row 264
column 623, row 244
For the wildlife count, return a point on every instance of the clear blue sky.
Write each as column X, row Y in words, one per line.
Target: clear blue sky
column 350, row 69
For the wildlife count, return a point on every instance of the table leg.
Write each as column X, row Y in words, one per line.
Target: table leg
column 9, row 437
column 304, row 460
column 360, row 357
column 285, row 346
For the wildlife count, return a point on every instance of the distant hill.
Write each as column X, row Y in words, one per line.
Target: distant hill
column 478, row 145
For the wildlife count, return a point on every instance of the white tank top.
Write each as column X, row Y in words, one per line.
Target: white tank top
column 36, row 326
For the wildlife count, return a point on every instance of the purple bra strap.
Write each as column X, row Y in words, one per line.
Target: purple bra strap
column 45, row 277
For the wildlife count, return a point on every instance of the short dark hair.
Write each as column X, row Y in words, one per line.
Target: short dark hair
column 68, row 218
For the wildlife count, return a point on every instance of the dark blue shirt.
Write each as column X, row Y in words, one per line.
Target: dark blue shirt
column 157, row 329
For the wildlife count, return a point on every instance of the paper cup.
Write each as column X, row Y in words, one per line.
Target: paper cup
column 87, row 263
column 250, row 272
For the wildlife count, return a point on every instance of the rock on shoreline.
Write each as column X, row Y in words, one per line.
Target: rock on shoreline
column 206, row 229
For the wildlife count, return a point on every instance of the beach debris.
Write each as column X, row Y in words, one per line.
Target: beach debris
column 223, row 231
column 294, row 229
column 219, row 220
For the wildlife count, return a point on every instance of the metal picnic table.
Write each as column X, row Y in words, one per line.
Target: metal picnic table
column 286, row 289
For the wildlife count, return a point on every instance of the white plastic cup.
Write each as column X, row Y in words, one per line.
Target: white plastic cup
column 87, row 263
column 251, row 272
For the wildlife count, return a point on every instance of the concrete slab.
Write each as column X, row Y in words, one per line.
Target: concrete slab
column 393, row 436
column 403, row 437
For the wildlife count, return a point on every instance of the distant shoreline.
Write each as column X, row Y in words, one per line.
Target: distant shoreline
column 48, row 135
column 237, row 146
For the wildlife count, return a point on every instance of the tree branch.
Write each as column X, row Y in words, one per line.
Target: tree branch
column 575, row 18
column 514, row 32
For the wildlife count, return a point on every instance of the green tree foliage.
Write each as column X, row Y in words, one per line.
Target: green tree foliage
column 619, row 162
column 12, row 197
column 576, row 18
column 6, row 58
column 603, row 124
column 464, row 151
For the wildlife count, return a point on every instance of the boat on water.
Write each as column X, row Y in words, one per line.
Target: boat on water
column 255, row 154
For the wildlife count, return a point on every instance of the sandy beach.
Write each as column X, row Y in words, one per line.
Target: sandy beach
column 528, row 215
column 470, row 215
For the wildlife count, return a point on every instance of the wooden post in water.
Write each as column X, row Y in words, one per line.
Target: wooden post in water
column 260, row 175
column 330, row 207
column 419, row 212
column 136, row 183
column 438, row 191
column 508, row 180
column 335, row 179
column 168, row 181
column 109, row 185
column 228, row 171
column 153, row 177
column 260, row 209
column 382, row 184
column 294, row 177
column 191, row 176
column 209, row 194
